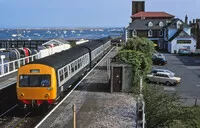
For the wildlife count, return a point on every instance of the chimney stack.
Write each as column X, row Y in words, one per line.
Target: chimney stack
column 138, row 6
column 193, row 20
column 186, row 19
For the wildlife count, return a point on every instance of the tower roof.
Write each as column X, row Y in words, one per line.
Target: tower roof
column 152, row 14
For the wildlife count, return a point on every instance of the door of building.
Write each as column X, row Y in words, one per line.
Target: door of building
column 117, row 79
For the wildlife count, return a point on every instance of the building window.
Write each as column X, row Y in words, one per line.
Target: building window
column 150, row 24
column 161, row 24
column 178, row 24
column 150, row 33
column 134, row 33
column 161, row 33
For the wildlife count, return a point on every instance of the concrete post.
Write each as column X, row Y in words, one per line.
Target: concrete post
column 2, row 64
column 141, row 86
column 74, row 115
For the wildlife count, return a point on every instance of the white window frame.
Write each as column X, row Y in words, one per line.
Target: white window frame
column 85, row 61
column 150, row 33
column 150, row 24
column 134, row 33
column 178, row 24
column 161, row 24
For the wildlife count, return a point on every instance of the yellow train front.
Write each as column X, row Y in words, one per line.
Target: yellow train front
column 36, row 84
column 44, row 80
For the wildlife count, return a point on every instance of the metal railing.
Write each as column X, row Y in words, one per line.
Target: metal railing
column 12, row 66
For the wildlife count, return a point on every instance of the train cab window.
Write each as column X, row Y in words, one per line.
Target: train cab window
column 34, row 81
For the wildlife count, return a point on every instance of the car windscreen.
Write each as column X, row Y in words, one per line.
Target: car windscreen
column 34, row 80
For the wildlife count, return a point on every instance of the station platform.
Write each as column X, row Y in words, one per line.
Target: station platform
column 8, row 80
column 95, row 106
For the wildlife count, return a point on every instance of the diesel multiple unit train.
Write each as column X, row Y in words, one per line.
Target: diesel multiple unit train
column 43, row 81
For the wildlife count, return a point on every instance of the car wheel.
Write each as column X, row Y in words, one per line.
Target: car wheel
column 148, row 81
column 168, row 83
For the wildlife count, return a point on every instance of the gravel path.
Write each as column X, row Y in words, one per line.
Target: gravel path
column 96, row 107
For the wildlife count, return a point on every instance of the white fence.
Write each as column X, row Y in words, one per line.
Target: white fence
column 12, row 66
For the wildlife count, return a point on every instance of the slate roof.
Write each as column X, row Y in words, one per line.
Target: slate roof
column 142, row 24
column 152, row 14
column 174, row 25
column 179, row 34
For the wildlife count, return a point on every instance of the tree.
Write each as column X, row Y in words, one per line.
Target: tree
column 138, row 53
column 165, row 110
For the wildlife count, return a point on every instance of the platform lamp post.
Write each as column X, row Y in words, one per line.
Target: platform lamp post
column 2, row 64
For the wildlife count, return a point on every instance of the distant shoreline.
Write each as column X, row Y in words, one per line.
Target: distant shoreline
column 64, row 28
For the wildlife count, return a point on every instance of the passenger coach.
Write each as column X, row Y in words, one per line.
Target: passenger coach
column 43, row 80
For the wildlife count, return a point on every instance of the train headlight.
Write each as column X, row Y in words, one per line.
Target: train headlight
column 22, row 95
column 49, row 88
column 47, row 95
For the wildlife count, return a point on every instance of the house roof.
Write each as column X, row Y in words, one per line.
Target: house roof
column 174, row 25
column 152, row 14
column 179, row 34
column 142, row 24
column 56, row 41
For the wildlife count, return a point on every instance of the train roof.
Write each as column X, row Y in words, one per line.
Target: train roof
column 60, row 59
column 93, row 44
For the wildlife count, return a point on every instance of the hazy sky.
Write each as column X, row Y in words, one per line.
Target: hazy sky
column 84, row 13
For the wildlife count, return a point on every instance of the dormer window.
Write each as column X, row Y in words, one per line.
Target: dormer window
column 150, row 33
column 150, row 24
column 134, row 33
column 161, row 24
column 178, row 24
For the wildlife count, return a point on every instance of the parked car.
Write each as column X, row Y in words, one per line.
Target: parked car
column 184, row 51
column 159, row 61
column 155, row 55
column 154, row 71
column 163, row 77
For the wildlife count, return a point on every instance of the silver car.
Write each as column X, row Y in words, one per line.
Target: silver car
column 163, row 77
column 154, row 71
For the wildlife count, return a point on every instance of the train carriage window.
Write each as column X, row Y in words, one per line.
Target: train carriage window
column 69, row 69
column 76, row 65
column 79, row 61
column 72, row 68
column 61, row 77
column 60, row 72
column 65, row 69
column 66, row 74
